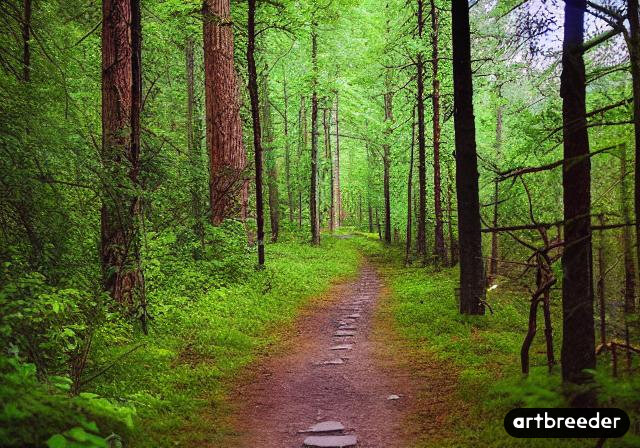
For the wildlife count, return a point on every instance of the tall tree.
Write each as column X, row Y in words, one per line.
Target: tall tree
column 121, row 102
column 386, row 156
column 421, row 237
column 578, row 342
column 440, row 250
column 337, row 190
column 472, row 282
column 313, row 190
column 228, row 186
column 493, row 262
column 255, row 118
column 270, row 158
column 193, row 144
column 287, row 146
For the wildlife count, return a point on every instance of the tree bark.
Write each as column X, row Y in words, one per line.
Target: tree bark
column 493, row 266
column 601, row 282
column 627, row 244
column 336, row 165
column 313, row 190
column 453, row 243
column 255, row 117
column 266, row 126
column 633, row 42
column 386, row 157
column 407, row 252
column 326, row 121
column 440, row 250
column 228, row 161
column 472, row 281
column 287, row 148
column 121, row 101
column 578, row 342
column 193, row 145
column 421, row 241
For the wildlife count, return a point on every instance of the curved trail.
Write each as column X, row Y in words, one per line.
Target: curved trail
column 311, row 382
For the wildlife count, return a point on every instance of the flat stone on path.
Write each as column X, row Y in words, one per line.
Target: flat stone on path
column 344, row 333
column 342, row 347
column 327, row 426
column 347, row 327
column 353, row 316
column 330, row 441
column 334, row 361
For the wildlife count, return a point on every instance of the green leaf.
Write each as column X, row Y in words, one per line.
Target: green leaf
column 57, row 441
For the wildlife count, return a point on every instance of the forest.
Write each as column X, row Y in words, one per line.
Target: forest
column 306, row 223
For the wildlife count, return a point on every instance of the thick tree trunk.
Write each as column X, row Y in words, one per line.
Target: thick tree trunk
column 472, row 281
column 228, row 161
column 578, row 342
column 440, row 250
column 121, row 101
column 313, row 190
column 633, row 42
column 493, row 266
column 386, row 157
column 421, row 237
column 255, row 117
column 287, row 148
column 266, row 126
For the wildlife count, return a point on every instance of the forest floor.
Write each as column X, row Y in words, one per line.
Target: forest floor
column 343, row 361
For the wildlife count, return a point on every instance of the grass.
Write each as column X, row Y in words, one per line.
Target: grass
column 179, row 380
column 484, row 351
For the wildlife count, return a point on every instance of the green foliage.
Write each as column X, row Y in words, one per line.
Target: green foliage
column 33, row 412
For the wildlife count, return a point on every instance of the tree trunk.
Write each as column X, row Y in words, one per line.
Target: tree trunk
column 326, row 121
column 313, row 190
column 407, row 253
column 601, row 282
column 633, row 42
column 386, row 157
column 302, row 147
column 453, row 243
column 228, row 184
column 440, row 251
column 287, row 148
column 270, row 159
column 421, row 238
column 336, row 165
column 193, row 146
column 121, row 94
column 578, row 342
column 472, row 281
column 255, row 117
column 493, row 266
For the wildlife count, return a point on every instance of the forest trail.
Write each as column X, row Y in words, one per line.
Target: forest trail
column 335, row 367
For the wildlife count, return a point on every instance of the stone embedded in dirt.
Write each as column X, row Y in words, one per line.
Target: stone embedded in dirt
column 342, row 347
column 334, row 361
column 330, row 441
column 328, row 426
column 347, row 327
column 344, row 333
column 393, row 397
column 353, row 316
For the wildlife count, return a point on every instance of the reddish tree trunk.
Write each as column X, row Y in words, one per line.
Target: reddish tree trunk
column 121, row 102
column 472, row 281
column 578, row 342
column 228, row 186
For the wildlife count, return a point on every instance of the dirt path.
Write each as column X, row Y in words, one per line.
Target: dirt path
column 311, row 383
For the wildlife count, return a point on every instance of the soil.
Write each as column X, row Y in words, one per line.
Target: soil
column 377, row 392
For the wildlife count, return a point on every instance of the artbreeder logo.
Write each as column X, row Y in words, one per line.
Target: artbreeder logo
column 566, row 422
